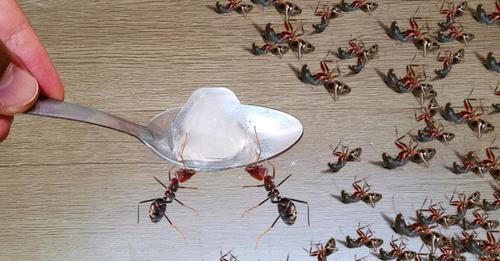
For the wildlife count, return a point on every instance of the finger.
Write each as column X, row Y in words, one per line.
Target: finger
column 20, row 39
column 18, row 90
column 5, row 123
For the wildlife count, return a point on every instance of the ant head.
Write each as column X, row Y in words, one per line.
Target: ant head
column 376, row 242
column 331, row 243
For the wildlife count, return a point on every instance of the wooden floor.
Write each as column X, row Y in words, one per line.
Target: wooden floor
column 69, row 191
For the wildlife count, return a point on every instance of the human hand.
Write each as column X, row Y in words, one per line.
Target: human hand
column 18, row 89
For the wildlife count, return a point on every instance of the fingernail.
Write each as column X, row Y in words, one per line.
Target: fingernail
column 18, row 90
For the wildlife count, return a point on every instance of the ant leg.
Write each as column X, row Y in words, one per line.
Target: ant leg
column 258, row 144
column 303, row 202
column 165, row 186
column 144, row 201
column 170, row 172
column 267, row 230
column 194, row 210
column 284, row 180
column 183, row 147
column 256, row 206
column 254, row 186
column 183, row 187
column 272, row 165
column 175, row 227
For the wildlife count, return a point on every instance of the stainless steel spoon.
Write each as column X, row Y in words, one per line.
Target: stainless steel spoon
column 277, row 131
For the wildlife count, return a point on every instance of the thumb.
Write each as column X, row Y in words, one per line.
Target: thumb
column 18, row 90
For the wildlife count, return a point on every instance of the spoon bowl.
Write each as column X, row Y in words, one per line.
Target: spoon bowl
column 277, row 131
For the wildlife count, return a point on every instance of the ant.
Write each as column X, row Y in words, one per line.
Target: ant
column 337, row 88
column 292, row 37
column 491, row 63
column 356, row 48
column 492, row 205
column 326, row 15
column 367, row 7
column 435, row 214
column 448, row 60
column 455, row 33
column 287, row 8
column 451, row 13
column 158, row 207
column 270, row 47
column 427, row 113
column 321, row 77
column 447, row 253
column 364, row 239
column 492, row 163
column 470, row 161
column 408, row 152
column 431, row 131
column 322, row 252
column 343, row 156
column 360, row 193
column 233, row 5
column 286, row 207
column 228, row 255
column 480, row 220
column 471, row 116
column 484, row 18
column 397, row 251
column 463, row 204
column 414, row 34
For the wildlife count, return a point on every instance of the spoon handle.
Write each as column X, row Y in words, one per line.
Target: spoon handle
column 65, row 110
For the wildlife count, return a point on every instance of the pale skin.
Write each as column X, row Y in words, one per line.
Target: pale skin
column 20, row 39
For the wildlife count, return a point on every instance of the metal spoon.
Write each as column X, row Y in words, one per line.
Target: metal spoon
column 277, row 131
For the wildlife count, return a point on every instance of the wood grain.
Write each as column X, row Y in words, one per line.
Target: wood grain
column 69, row 190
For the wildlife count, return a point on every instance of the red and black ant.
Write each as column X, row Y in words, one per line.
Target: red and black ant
column 360, row 193
column 492, row 205
column 455, row 33
column 364, row 239
column 326, row 15
column 286, row 207
column 367, row 7
column 322, row 252
column 435, row 215
column 292, row 37
column 343, row 157
column 158, row 207
column 233, row 5
column 451, row 13
column 398, row 252
column 471, row 116
column 322, row 77
column 470, row 161
column 427, row 113
column 431, row 131
column 408, row 152
column 270, row 47
column 448, row 60
column 480, row 220
column 287, row 8
column 484, row 18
